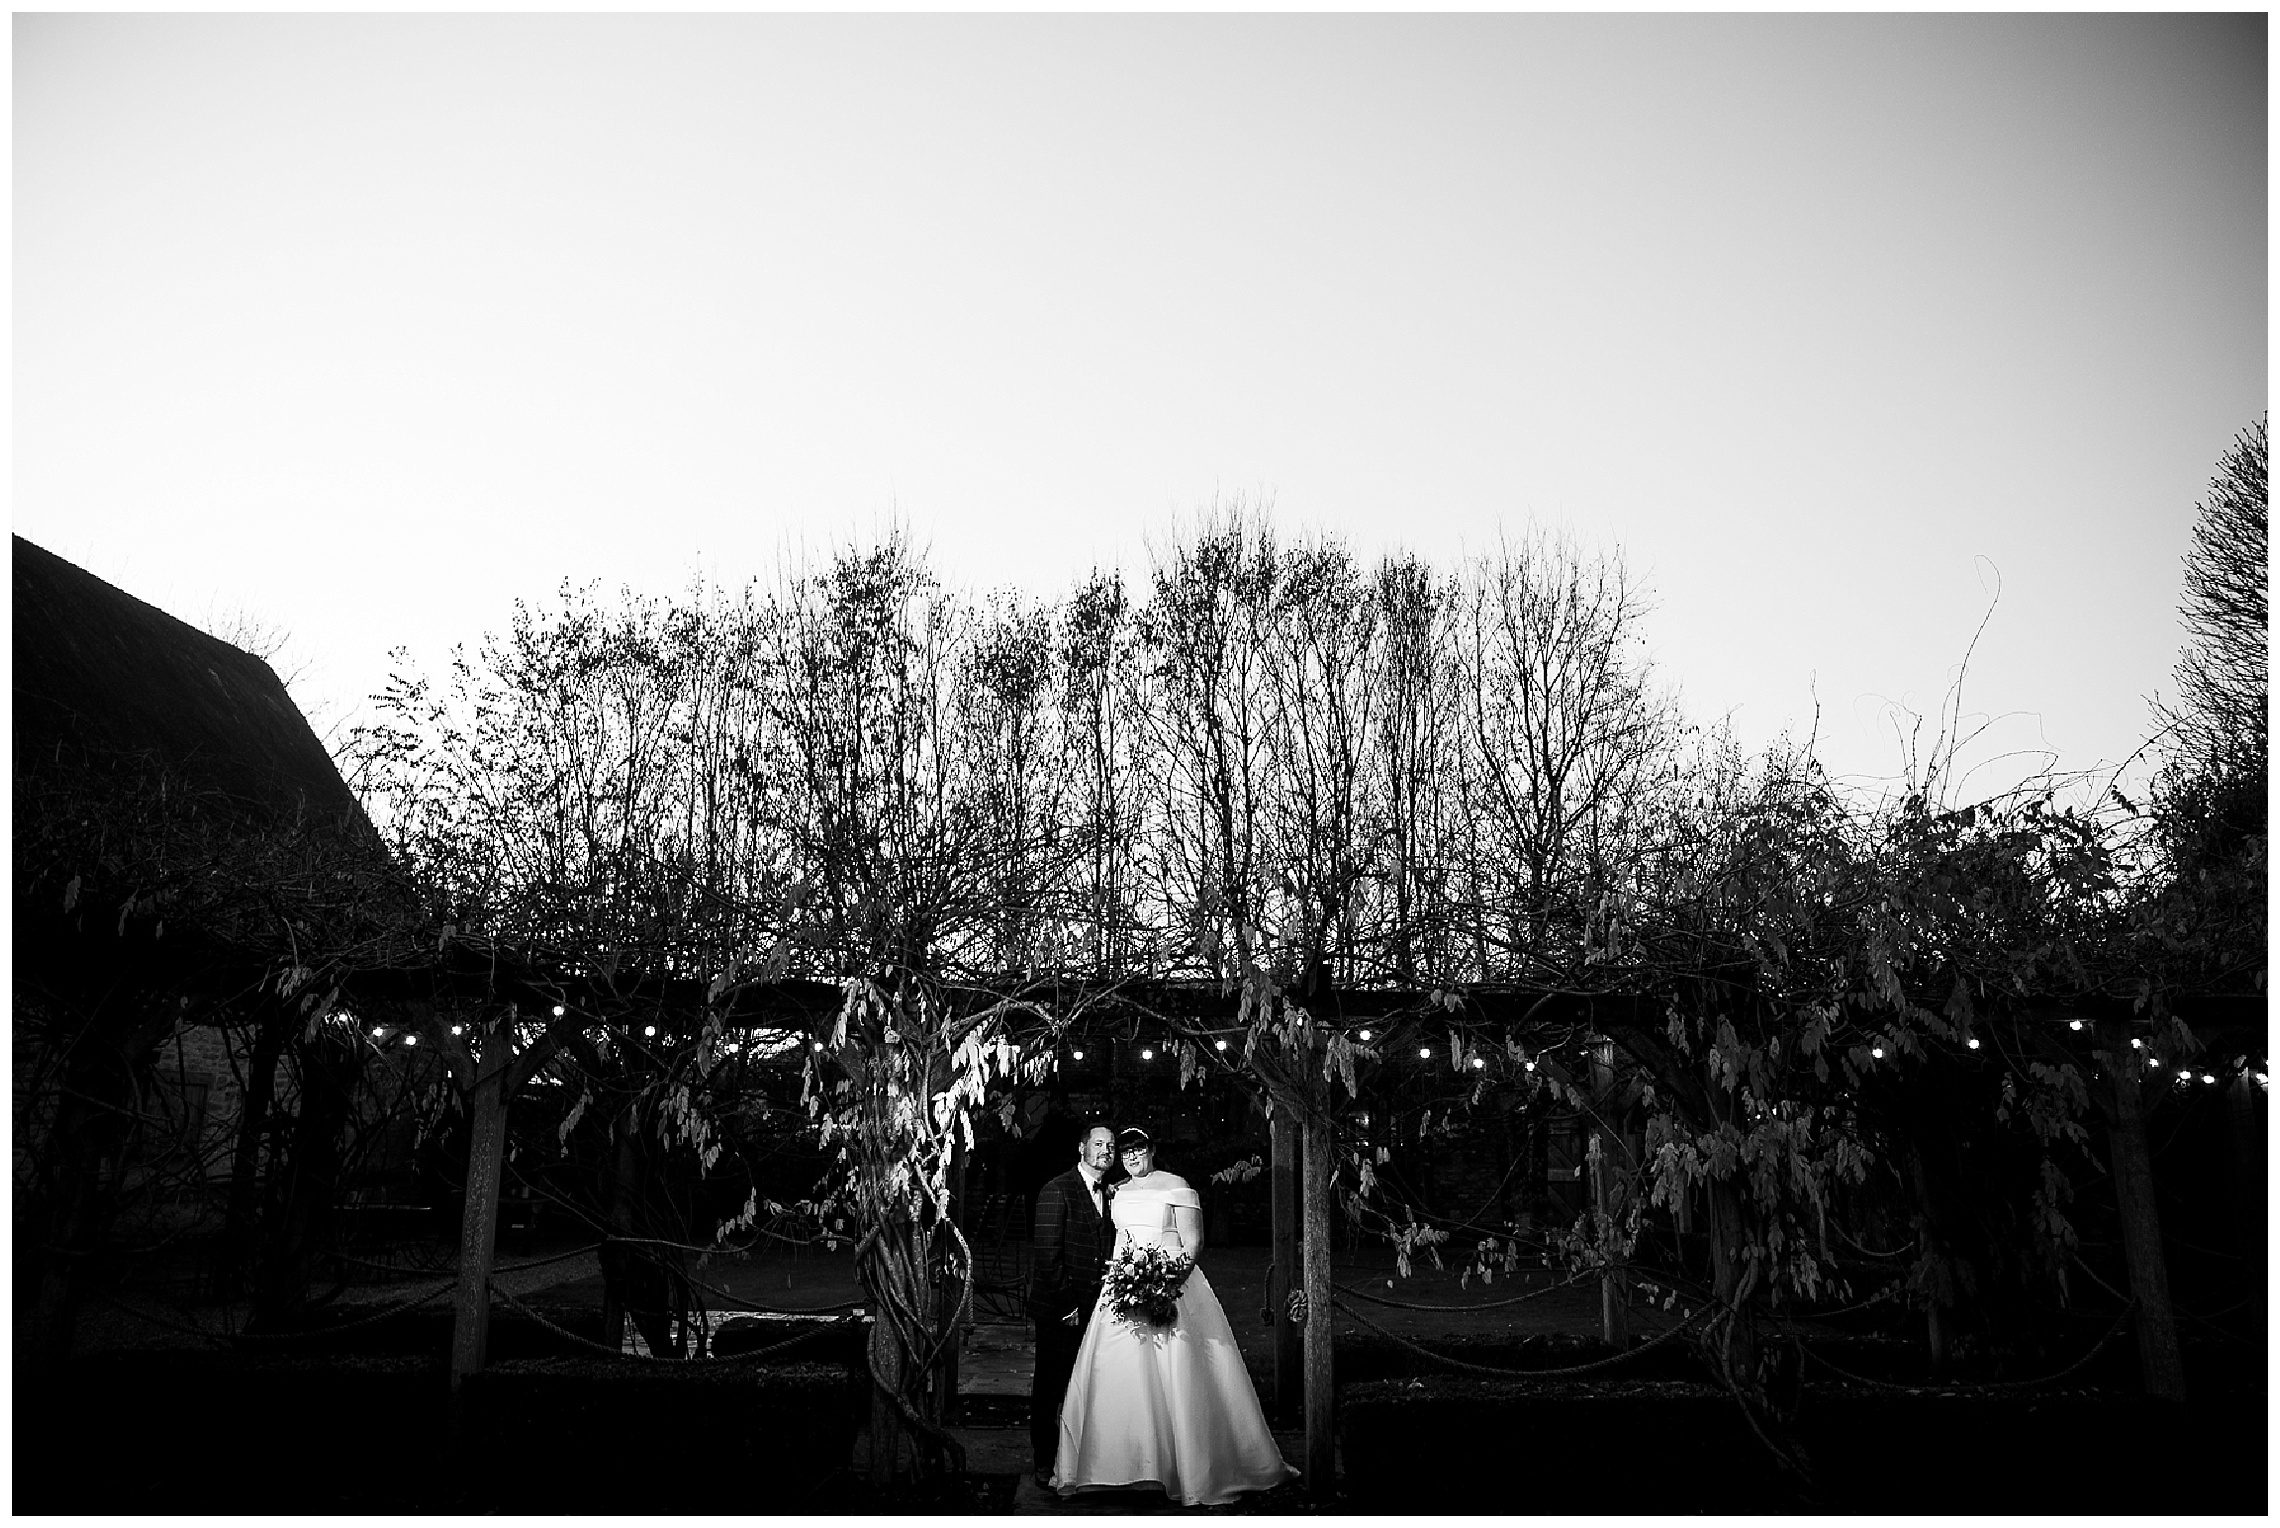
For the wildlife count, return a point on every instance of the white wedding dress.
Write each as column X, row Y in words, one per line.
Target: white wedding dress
column 1171, row 1406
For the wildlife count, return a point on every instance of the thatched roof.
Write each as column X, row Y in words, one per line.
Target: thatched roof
column 100, row 675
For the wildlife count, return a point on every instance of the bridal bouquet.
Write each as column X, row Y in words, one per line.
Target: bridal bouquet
column 1143, row 1283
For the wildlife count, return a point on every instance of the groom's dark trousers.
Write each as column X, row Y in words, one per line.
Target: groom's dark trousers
column 1067, row 1240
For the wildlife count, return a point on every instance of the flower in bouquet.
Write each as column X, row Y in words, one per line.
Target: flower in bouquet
column 1143, row 1283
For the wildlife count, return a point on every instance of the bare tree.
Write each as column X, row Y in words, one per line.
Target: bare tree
column 1101, row 691
column 1325, row 797
column 1562, row 729
column 1416, row 742
column 2223, row 675
column 1208, row 735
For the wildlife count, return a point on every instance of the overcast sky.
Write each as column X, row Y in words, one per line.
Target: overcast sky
column 363, row 326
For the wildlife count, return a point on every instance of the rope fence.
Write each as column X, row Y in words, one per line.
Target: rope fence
column 640, row 1241
column 1521, row 1299
column 1472, row 1368
column 2208, row 1321
column 773, row 1310
column 607, row 1351
column 2013, row 1384
column 227, row 1338
column 1888, row 1292
column 537, row 1262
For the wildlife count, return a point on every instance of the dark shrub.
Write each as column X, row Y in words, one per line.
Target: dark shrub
column 206, row 1432
column 1469, row 1445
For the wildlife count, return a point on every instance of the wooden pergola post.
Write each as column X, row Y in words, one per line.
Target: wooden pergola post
column 2159, row 1358
column 1614, row 1282
column 1283, row 1276
column 489, row 1082
column 1321, row 1395
column 479, row 1220
column 2244, row 1120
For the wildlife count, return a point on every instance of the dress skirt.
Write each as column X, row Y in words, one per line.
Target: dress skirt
column 1170, row 1406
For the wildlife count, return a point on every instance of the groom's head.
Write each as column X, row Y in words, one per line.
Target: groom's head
column 1095, row 1145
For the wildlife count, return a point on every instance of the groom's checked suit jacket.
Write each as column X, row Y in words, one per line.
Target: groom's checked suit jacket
column 1069, row 1243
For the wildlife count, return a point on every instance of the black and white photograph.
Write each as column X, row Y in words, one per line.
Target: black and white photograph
column 1355, row 764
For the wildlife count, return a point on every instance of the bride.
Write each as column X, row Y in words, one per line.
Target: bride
column 1171, row 1405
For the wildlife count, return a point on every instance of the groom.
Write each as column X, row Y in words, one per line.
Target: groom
column 1067, row 1243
